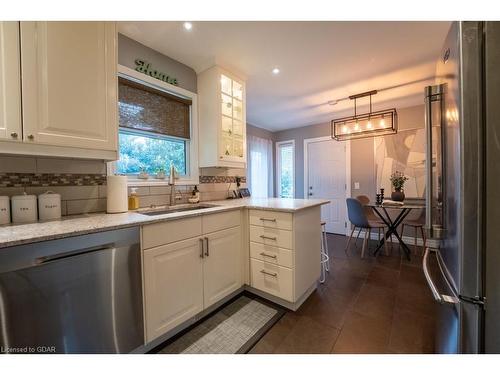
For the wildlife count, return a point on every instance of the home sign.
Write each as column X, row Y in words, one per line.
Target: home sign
column 145, row 67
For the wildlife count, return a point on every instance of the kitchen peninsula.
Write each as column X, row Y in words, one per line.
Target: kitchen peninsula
column 196, row 259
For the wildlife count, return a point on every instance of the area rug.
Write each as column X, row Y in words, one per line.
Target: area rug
column 235, row 328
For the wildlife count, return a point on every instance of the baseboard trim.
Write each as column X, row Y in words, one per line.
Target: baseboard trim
column 280, row 301
column 408, row 240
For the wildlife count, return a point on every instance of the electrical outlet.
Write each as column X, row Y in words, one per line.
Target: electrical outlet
column 356, row 185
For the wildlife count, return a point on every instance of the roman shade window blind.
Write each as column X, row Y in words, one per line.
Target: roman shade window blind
column 147, row 109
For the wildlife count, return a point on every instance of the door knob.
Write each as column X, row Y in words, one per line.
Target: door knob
column 310, row 187
column 310, row 193
column 13, row 135
column 31, row 137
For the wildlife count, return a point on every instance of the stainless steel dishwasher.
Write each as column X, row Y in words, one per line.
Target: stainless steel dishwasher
column 74, row 295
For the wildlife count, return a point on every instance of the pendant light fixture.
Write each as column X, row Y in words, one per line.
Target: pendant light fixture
column 371, row 124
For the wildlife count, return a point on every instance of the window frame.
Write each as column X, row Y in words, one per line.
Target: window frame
column 279, row 145
column 192, row 163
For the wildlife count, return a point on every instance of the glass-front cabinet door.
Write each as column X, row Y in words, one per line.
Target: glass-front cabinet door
column 222, row 119
column 232, row 117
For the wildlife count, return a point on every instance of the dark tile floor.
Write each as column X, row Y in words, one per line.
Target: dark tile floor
column 370, row 305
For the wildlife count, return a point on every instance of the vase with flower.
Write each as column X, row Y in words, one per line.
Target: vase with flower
column 398, row 180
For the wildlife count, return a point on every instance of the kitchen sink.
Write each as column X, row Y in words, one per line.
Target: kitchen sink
column 169, row 210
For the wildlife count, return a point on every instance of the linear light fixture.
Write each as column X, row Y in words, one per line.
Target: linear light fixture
column 371, row 124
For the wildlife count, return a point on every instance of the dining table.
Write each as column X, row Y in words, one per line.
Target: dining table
column 393, row 224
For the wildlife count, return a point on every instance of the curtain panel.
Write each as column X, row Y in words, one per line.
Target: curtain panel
column 260, row 166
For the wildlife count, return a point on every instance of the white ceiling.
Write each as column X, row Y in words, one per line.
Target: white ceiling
column 319, row 61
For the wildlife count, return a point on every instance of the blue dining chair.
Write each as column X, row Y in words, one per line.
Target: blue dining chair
column 357, row 216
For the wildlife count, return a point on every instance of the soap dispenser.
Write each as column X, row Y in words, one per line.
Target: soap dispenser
column 133, row 199
column 195, row 195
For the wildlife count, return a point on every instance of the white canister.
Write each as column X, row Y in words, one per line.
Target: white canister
column 4, row 210
column 49, row 206
column 24, row 209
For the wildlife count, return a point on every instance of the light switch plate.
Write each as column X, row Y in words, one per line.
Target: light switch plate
column 356, row 185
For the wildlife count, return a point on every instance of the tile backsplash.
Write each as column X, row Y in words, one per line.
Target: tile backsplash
column 85, row 191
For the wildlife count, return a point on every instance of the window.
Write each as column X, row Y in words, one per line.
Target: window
column 285, row 157
column 260, row 166
column 155, row 130
column 140, row 151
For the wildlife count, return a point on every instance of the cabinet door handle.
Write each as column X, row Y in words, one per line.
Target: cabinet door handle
column 206, row 249
column 266, row 219
column 31, row 137
column 269, row 273
column 269, row 256
column 201, row 248
column 268, row 238
column 13, row 135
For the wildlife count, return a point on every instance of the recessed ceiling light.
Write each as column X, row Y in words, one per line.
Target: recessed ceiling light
column 188, row 25
column 276, row 71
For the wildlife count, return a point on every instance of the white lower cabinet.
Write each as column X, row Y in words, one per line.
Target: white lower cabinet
column 222, row 266
column 272, row 279
column 285, row 253
column 173, row 285
column 185, row 277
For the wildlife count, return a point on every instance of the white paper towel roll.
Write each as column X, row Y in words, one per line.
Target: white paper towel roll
column 117, row 200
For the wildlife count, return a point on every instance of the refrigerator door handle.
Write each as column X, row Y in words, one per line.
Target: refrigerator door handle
column 439, row 297
column 431, row 94
column 428, row 161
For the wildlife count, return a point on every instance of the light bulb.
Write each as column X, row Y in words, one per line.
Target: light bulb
column 188, row 25
column 344, row 129
column 356, row 126
column 369, row 125
column 382, row 123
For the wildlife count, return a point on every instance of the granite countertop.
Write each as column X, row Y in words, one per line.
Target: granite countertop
column 17, row 234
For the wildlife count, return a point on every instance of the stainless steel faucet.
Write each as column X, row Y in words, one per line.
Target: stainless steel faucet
column 174, row 193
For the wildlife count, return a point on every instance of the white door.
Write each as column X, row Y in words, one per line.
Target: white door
column 173, row 285
column 70, row 84
column 10, row 82
column 222, row 269
column 326, row 179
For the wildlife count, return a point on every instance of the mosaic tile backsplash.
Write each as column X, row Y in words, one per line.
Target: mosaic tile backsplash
column 68, row 179
column 50, row 179
column 85, row 191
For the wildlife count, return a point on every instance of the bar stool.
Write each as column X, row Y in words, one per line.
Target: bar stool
column 325, row 258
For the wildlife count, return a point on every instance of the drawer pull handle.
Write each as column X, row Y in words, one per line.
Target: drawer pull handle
column 268, row 238
column 266, row 219
column 269, row 273
column 269, row 256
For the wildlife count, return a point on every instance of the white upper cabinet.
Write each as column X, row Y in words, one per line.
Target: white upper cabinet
column 69, row 84
column 222, row 104
column 10, row 82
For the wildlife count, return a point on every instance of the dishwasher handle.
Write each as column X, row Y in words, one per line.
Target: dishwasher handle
column 69, row 254
column 438, row 297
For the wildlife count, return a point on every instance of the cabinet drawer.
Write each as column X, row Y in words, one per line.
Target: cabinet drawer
column 271, row 219
column 272, row 279
column 222, row 220
column 171, row 231
column 271, row 254
column 271, row 236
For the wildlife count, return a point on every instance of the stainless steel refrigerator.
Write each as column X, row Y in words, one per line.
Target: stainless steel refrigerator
column 462, row 262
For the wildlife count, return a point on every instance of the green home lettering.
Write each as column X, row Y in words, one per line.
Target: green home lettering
column 145, row 67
